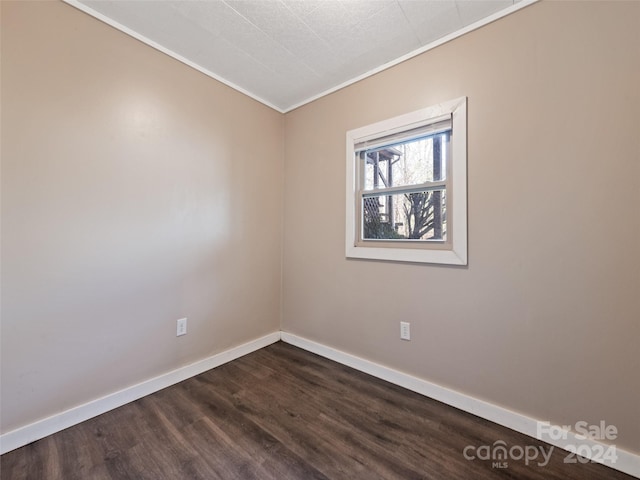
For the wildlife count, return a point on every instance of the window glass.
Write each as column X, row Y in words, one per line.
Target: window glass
column 414, row 162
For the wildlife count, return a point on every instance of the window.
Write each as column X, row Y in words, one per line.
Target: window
column 407, row 187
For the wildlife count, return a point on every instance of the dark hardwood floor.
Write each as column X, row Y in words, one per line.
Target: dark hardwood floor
column 283, row 413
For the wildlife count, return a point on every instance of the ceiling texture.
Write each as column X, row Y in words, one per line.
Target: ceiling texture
column 285, row 53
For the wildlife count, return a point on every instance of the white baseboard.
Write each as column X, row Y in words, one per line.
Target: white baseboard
column 55, row 423
column 626, row 462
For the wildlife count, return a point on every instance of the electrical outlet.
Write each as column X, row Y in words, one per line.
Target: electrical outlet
column 181, row 327
column 405, row 330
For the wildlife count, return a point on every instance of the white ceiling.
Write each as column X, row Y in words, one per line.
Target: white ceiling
column 285, row 53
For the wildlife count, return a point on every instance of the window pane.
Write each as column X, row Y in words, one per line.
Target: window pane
column 409, row 163
column 405, row 216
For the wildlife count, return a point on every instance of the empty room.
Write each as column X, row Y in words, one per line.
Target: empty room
column 320, row 239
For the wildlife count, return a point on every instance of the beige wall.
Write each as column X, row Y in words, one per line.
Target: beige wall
column 546, row 318
column 135, row 191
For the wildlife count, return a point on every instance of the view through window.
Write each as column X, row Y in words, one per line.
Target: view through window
column 405, row 189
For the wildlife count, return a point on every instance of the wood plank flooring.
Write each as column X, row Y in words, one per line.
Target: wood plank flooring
column 282, row 413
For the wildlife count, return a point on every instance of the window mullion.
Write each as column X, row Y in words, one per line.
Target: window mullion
column 422, row 187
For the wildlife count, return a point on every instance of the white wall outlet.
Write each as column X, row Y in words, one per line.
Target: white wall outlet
column 405, row 330
column 181, row 327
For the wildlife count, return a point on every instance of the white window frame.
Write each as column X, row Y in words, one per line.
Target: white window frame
column 453, row 252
